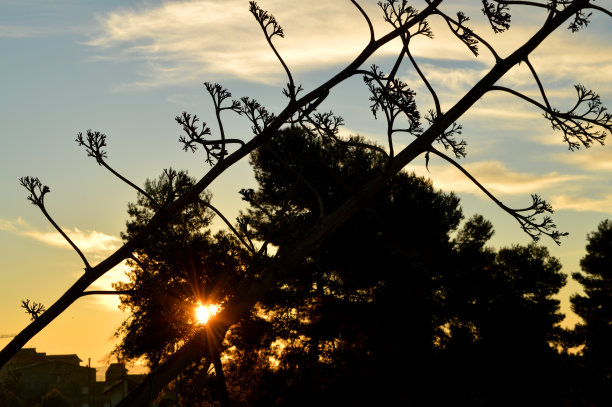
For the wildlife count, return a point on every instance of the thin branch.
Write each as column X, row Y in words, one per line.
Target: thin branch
column 37, row 196
column 527, row 222
column 266, row 20
column 538, row 82
column 94, row 143
column 219, row 94
column 425, row 81
column 392, row 97
column 481, row 40
column 367, row 18
column 196, row 135
column 34, row 309
column 257, row 114
column 599, row 8
column 522, row 3
column 405, row 40
column 250, row 247
column 573, row 125
column 522, row 96
column 107, row 292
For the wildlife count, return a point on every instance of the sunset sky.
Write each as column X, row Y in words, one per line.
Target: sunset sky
column 128, row 68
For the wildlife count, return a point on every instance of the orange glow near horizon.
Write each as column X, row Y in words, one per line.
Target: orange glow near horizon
column 204, row 312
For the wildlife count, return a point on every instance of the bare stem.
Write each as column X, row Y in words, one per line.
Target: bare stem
column 367, row 18
column 65, row 236
column 249, row 247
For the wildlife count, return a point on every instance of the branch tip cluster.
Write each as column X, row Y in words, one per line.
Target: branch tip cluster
column 34, row 309
column 448, row 138
column 527, row 219
column 94, row 143
column 587, row 122
column 498, row 14
column 36, row 189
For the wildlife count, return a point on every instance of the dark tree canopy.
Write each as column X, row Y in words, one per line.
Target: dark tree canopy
column 179, row 266
column 367, row 301
column 594, row 332
column 337, row 306
column 389, row 302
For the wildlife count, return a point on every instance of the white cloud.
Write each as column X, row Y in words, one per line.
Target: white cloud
column 89, row 241
column 182, row 40
column 494, row 176
column 10, row 226
column 596, row 159
column 188, row 40
column 583, row 203
column 453, row 81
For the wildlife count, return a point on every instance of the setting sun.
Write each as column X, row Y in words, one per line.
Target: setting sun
column 204, row 312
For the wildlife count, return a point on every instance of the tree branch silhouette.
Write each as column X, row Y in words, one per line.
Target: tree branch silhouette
column 37, row 197
column 33, row 308
column 390, row 96
column 526, row 217
column 94, row 142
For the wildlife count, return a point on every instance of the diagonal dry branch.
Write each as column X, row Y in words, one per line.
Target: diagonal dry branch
column 192, row 195
column 195, row 348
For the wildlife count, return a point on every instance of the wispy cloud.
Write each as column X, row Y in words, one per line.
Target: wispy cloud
column 597, row 159
column 24, row 31
column 89, row 241
column 185, row 41
column 182, row 40
column 583, row 203
column 495, row 176
column 15, row 31
column 561, row 190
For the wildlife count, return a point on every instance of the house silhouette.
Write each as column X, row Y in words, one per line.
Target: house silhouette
column 31, row 374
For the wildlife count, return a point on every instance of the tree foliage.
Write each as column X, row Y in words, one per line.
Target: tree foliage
column 367, row 300
column 322, row 217
column 182, row 258
column 390, row 301
column 594, row 332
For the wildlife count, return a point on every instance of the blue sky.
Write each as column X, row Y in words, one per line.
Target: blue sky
column 127, row 68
